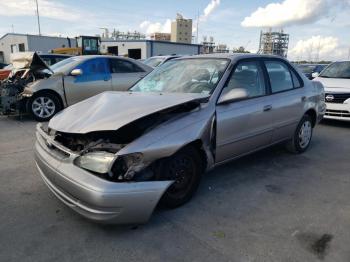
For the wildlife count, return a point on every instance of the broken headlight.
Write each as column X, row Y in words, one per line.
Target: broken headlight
column 99, row 162
column 126, row 166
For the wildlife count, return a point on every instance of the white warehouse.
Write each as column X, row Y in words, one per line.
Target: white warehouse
column 12, row 43
column 142, row 49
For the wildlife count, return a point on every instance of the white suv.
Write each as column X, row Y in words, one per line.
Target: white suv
column 336, row 80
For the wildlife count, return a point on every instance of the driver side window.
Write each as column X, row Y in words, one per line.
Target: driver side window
column 248, row 76
column 94, row 66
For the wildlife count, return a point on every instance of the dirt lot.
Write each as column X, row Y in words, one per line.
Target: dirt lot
column 270, row 206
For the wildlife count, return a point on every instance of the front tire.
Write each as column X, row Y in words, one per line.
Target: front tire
column 302, row 136
column 185, row 168
column 43, row 106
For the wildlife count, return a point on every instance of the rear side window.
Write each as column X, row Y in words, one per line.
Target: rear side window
column 281, row 78
column 123, row 66
column 296, row 81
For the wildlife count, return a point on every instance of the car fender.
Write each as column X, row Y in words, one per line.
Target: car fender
column 166, row 139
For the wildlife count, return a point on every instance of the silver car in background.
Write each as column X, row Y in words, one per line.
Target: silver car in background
column 336, row 80
column 77, row 78
column 156, row 61
column 115, row 156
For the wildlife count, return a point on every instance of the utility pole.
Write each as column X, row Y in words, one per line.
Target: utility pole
column 197, row 27
column 37, row 15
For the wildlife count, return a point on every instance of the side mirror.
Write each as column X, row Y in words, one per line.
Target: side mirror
column 234, row 94
column 315, row 74
column 76, row 72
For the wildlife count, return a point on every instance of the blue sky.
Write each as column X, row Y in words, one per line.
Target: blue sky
column 317, row 27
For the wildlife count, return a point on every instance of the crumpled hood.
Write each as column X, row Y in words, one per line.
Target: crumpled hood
column 338, row 85
column 30, row 60
column 112, row 110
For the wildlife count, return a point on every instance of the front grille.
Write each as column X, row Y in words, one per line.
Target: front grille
column 338, row 98
column 338, row 113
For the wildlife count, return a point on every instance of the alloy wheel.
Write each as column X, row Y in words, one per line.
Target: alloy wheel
column 43, row 107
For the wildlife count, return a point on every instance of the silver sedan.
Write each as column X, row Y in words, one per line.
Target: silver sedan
column 115, row 156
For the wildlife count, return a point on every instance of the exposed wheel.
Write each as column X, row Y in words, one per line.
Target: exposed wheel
column 185, row 168
column 44, row 106
column 302, row 136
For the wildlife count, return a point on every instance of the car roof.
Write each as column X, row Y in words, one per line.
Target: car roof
column 233, row 56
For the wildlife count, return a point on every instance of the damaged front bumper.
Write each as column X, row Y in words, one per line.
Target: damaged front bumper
column 91, row 196
column 12, row 104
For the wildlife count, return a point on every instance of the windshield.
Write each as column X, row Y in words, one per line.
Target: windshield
column 184, row 76
column 154, row 61
column 66, row 64
column 337, row 70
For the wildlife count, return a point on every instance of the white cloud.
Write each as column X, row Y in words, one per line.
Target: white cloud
column 49, row 9
column 209, row 9
column 318, row 48
column 291, row 12
column 157, row 27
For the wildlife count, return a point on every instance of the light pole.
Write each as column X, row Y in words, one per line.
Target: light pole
column 37, row 15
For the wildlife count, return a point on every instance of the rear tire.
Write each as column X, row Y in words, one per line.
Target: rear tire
column 185, row 168
column 43, row 106
column 302, row 136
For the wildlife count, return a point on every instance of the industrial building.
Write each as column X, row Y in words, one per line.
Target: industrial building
column 142, row 49
column 274, row 43
column 161, row 36
column 13, row 42
column 181, row 30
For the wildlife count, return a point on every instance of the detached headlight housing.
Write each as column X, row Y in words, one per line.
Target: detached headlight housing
column 99, row 162
column 27, row 92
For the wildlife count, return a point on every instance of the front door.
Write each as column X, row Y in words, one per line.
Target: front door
column 95, row 79
column 246, row 125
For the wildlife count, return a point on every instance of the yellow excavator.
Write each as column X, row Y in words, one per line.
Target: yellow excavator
column 85, row 45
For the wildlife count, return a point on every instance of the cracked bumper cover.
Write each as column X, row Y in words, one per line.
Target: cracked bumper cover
column 92, row 197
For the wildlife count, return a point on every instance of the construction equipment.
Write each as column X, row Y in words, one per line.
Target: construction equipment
column 85, row 45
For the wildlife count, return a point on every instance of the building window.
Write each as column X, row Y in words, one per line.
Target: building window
column 21, row 47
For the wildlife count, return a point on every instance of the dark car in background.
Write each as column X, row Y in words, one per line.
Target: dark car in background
column 51, row 59
column 2, row 65
column 309, row 70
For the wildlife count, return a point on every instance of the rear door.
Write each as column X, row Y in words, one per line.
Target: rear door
column 288, row 98
column 124, row 73
column 246, row 125
column 95, row 79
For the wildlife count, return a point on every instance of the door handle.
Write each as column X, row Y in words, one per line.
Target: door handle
column 106, row 79
column 267, row 108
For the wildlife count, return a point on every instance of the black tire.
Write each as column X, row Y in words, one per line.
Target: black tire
column 185, row 167
column 297, row 145
column 50, row 106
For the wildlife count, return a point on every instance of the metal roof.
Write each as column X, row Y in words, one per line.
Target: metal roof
column 30, row 35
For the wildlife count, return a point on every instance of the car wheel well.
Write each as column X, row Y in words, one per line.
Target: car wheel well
column 198, row 145
column 48, row 91
column 312, row 114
